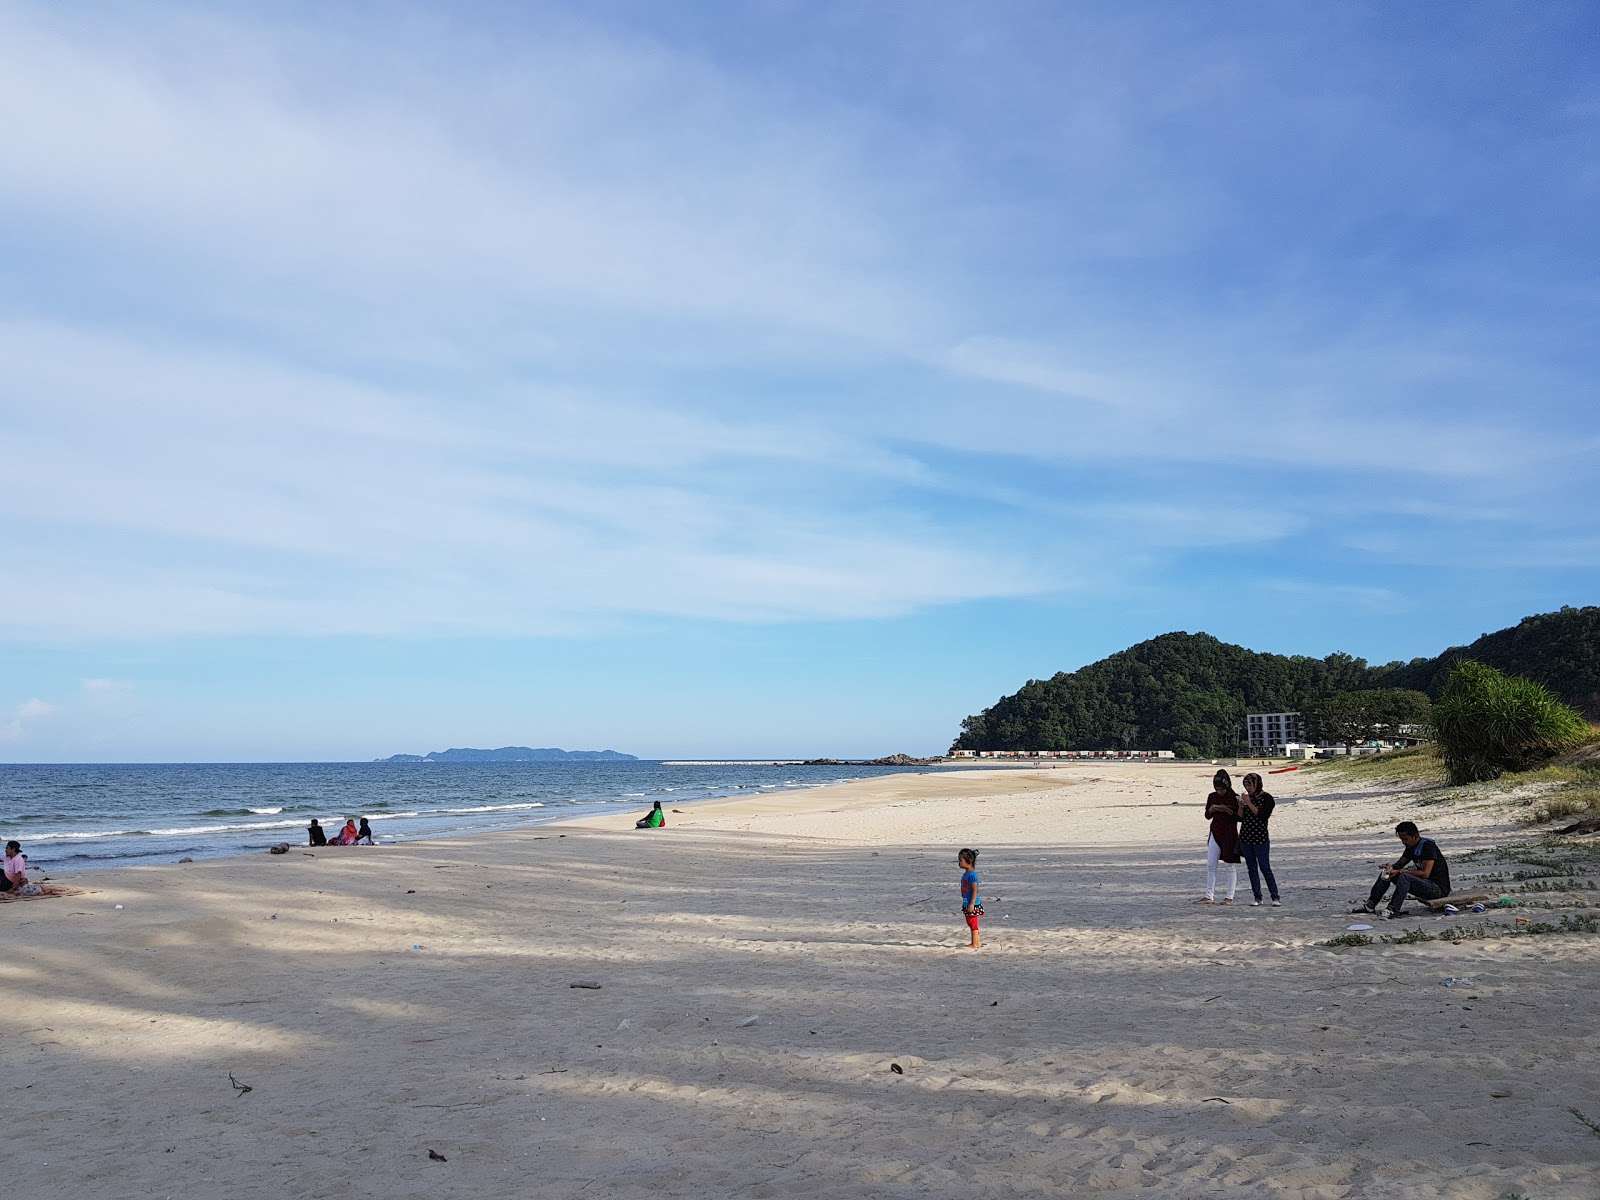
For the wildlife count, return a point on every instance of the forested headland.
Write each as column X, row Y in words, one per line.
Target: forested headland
column 1189, row 692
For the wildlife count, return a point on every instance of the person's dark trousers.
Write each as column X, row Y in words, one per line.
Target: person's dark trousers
column 1258, row 860
column 1404, row 885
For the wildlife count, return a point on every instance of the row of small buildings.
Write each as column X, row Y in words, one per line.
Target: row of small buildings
column 1069, row 754
column 1271, row 735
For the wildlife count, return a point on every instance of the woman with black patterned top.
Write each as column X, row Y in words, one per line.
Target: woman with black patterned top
column 1255, row 810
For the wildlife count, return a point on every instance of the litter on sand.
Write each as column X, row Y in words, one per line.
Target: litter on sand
column 1357, row 928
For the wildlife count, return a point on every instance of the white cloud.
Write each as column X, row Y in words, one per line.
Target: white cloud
column 401, row 332
column 434, row 201
column 238, row 496
column 22, row 718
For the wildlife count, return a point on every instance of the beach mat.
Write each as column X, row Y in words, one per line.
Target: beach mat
column 46, row 891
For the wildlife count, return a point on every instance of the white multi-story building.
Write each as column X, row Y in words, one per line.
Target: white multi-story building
column 1271, row 733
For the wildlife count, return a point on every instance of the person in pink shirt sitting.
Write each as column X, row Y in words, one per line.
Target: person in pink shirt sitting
column 15, row 874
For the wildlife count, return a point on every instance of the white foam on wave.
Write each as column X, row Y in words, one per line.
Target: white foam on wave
column 188, row 830
column 267, row 812
column 430, row 812
column 74, row 835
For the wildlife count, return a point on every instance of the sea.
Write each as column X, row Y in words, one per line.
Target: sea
column 77, row 817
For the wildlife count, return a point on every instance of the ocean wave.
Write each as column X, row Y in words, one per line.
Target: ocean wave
column 71, row 835
column 59, row 835
column 266, row 812
column 85, row 856
column 190, row 830
column 453, row 812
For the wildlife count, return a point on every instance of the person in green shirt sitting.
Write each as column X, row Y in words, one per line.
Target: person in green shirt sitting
column 654, row 819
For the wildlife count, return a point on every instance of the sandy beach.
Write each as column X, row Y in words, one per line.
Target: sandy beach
column 765, row 966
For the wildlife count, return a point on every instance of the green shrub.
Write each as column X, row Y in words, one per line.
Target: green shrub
column 1349, row 939
column 1488, row 723
column 1409, row 938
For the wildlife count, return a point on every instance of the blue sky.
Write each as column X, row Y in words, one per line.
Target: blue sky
column 771, row 378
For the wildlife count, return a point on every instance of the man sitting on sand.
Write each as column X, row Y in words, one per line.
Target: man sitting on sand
column 1427, row 877
column 654, row 819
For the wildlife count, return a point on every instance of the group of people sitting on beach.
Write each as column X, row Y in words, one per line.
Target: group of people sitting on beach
column 1238, row 826
column 351, row 835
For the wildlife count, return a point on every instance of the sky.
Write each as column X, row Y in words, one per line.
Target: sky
column 776, row 378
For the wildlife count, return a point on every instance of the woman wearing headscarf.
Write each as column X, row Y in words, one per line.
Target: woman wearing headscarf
column 1222, row 810
column 1255, row 810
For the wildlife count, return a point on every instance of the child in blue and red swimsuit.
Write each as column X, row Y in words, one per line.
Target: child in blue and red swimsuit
column 971, row 902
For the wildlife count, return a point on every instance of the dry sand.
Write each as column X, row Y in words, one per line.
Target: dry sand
column 1111, row 1038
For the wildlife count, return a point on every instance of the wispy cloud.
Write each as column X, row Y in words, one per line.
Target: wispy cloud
column 422, row 329
column 22, row 718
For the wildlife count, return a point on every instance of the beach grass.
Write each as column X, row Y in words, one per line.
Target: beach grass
column 1566, row 789
column 1417, row 766
column 1573, row 801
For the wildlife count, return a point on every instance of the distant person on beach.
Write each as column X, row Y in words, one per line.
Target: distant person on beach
column 971, row 901
column 1255, row 810
column 364, row 834
column 1421, row 871
column 654, row 819
column 347, row 835
column 318, row 837
column 1222, row 810
column 15, row 873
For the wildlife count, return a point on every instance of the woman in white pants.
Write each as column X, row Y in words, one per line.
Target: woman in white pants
column 1222, row 810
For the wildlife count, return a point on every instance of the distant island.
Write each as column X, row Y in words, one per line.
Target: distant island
column 508, row 754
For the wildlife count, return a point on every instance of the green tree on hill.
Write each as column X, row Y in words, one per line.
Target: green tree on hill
column 1354, row 718
column 1560, row 650
column 1183, row 692
column 1189, row 693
